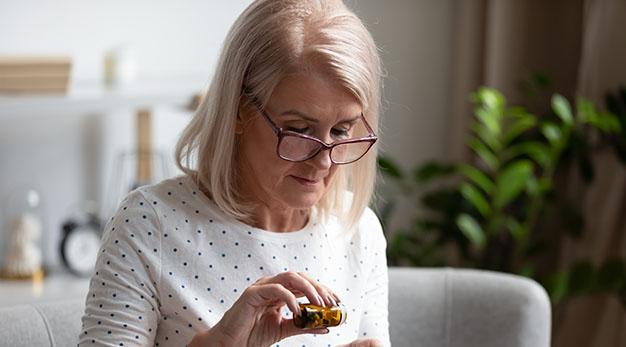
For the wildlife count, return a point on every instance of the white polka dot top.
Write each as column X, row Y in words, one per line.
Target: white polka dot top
column 171, row 264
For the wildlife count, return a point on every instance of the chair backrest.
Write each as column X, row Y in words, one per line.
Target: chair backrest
column 444, row 307
column 427, row 308
column 54, row 324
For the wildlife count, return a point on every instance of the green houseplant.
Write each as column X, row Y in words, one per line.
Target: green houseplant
column 492, row 211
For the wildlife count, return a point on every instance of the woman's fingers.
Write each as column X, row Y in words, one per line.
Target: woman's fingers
column 302, row 285
column 296, row 284
column 257, row 313
column 262, row 294
column 330, row 298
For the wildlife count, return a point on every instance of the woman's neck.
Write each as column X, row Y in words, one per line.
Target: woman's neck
column 279, row 220
column 272, row 218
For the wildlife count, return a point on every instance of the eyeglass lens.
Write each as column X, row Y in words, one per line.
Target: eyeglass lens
column 298, row 148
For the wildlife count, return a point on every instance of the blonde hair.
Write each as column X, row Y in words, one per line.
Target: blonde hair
column 270, row 40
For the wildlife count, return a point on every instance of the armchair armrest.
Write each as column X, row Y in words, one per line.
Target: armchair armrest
column 447, row 307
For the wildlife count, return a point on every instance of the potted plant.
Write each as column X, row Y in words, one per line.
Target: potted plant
column 492, row 211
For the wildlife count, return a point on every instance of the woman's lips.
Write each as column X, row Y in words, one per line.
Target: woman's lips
column 305, row 181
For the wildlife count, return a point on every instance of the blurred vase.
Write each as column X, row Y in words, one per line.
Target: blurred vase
column 120, row 67
column 23, row 214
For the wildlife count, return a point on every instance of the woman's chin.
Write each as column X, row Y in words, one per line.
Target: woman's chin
column 303, row 201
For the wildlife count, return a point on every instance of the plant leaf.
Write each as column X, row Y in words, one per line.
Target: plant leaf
column 612, row 275
column 528, row 271
column 605, row 121
column 581, row 278
column 585, row 111
column 552, row 132
column 489, row 119
column 557, row 286
column 608, row 123
column 489, row 110
column 489, row 98
column 473, row 195
column 471, row 229
column 492, row 140
column 532, row 186
column 524, row 122
column 511, row 181
column 541, row 80
column 535, row 247
column 562, row 108
column 518, row 230
column 484, row 153
column 433, row 169
column 537, row 151
column 389, row 168
column 544, row 184
column 478, row 177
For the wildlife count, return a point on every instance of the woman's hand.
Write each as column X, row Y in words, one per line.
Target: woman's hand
column 255, row 318
column 364, row 343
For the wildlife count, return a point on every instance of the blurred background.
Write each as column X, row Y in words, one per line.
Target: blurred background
column 512, row 178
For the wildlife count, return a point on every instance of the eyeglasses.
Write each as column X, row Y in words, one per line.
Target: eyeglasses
column 293, row 146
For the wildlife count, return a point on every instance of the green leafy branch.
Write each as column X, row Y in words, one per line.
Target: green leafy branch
column 494, row 205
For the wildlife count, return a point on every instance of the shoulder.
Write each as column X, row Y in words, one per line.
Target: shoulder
column 151, row 202
column 368, row 220
column 168, row 190
column 371, row 229
column 368, row 230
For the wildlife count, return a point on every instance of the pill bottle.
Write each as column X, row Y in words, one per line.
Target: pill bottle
column 312, row 316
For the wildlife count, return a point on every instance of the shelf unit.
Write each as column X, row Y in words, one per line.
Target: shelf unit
column 87, row 98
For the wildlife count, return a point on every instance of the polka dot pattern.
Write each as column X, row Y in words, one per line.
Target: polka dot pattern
column 171, row 264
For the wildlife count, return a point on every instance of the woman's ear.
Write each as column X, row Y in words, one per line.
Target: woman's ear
column 239, row 122
column 245, row 115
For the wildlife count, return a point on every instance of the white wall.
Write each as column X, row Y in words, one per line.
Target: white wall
column 416, row 42
column 170, row 37
column 70, row 158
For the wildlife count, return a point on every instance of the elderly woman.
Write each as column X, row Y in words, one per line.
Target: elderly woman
column 272, row 210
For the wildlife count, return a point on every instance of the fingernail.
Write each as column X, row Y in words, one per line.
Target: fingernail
column 320, row 301
column 332, row 300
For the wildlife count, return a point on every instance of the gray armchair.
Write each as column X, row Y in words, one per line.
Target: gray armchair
column 466, row 308
column 428, row 307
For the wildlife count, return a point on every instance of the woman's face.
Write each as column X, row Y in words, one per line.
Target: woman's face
column 310, row 104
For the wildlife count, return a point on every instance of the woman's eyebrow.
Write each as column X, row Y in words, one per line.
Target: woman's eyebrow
column 351, row 120
column 299, row 114
column 314, row 120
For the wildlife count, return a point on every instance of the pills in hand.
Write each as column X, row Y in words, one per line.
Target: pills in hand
column 312, row 316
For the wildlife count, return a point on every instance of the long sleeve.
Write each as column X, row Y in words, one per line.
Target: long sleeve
column 122, row 307
column 374, row 318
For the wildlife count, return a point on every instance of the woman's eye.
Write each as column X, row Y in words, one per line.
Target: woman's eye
column 298, row 130
column 339, row 132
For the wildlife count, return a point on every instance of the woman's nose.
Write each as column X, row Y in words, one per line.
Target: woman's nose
column 322, row 159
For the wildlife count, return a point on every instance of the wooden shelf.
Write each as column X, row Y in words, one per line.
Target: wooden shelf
column 89, row 98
